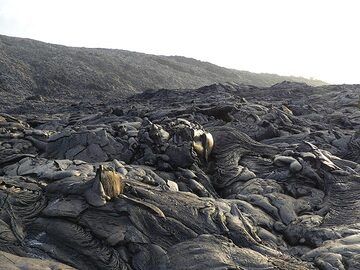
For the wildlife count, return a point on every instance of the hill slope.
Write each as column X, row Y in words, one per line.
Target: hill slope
column 29, row 67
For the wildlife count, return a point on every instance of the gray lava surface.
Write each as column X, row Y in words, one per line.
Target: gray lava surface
column 227, row 176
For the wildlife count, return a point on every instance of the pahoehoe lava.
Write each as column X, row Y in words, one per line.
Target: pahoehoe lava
column 227, row 176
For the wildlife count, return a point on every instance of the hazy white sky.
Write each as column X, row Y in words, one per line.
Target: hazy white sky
column 310, row 38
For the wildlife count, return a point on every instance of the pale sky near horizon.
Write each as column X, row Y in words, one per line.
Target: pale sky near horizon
column 309, row 38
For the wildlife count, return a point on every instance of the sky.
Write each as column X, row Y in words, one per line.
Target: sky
column 309, row 38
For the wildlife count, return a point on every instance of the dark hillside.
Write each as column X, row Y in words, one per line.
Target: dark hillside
column 29, row 67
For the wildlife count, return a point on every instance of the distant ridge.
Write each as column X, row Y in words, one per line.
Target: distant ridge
column 29, row 67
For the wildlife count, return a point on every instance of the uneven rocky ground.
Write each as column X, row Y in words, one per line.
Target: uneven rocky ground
column 223, row 177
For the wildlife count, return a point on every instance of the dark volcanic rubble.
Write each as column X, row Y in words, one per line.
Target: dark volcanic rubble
column 226, row 176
